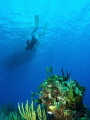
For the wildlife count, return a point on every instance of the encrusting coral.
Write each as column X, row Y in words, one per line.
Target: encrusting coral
column 62, row 96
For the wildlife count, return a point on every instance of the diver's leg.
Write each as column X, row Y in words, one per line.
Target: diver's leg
column 45, row 27
column 34, row 30
column 41, row 34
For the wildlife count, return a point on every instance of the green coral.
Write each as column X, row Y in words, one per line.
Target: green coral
column 60, row 93
column 28, row 112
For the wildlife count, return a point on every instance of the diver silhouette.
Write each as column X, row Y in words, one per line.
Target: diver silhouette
column 33, row 43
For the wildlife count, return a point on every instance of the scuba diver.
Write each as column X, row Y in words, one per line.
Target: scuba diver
column 33, row 43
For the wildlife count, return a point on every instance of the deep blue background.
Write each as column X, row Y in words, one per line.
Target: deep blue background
column 66, row 44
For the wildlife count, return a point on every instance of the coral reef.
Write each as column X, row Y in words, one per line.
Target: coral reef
column 62, row 96
column 59, row 98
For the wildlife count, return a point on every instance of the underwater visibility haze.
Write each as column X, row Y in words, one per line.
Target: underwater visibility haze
column 65, row 44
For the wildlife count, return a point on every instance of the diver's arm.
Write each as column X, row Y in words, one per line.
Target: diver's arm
column 34, row 48
column 28, row 42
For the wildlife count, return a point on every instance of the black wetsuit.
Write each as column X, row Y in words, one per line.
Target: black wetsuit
column 32, row 44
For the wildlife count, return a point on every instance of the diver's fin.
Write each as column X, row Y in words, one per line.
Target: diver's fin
column 45, row 28
column 36, row 20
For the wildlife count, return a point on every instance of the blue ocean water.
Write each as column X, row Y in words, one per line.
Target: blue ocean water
column 66, row 44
